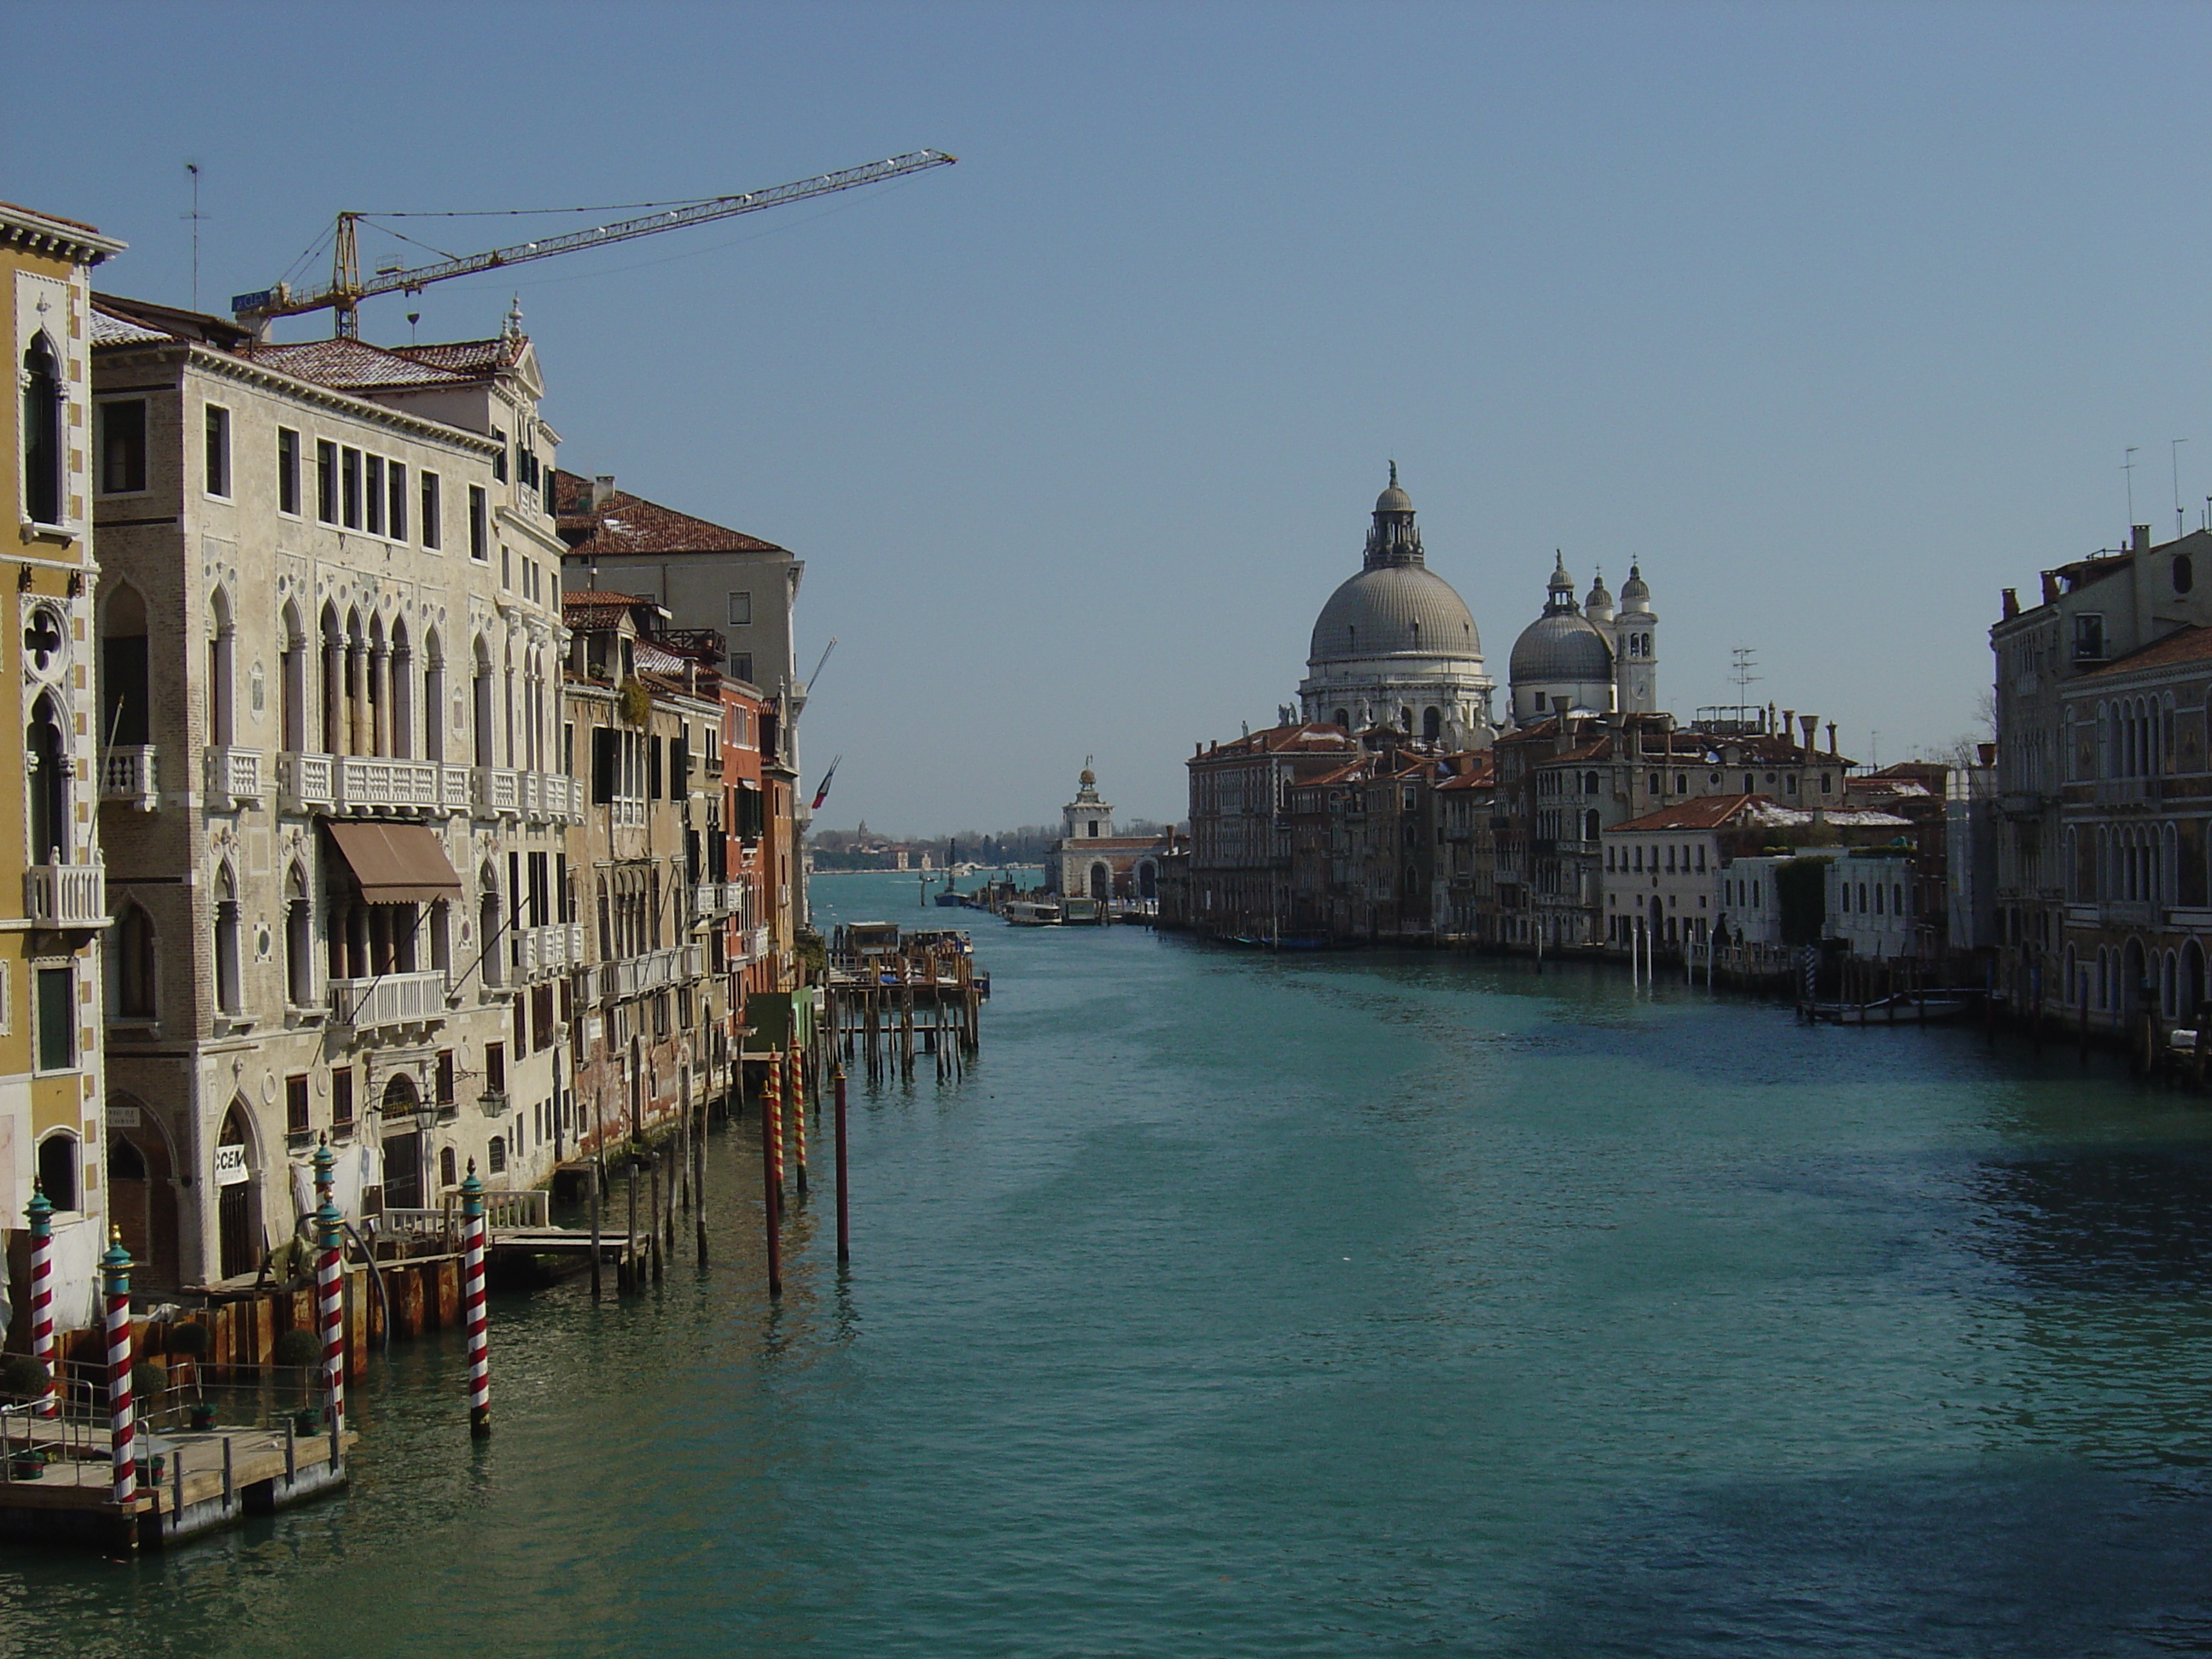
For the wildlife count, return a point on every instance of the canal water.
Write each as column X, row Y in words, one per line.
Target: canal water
column 1236, row 1304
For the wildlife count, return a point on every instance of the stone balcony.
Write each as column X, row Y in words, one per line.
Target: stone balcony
column 129, row 774
column 655, row 970
column 388, row 1000
column 235, row 777
column 66, row 894
column 555, row 949
column 385, row 786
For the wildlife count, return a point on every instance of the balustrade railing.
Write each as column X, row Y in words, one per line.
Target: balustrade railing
column 234, row 775
column 388, row 1000
column 66, row 894
column 128, row 775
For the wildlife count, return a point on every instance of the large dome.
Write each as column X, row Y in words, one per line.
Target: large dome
column 1561, row 647
column 1393, row 610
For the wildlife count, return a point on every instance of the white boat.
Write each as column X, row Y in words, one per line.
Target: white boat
column 1029, row 913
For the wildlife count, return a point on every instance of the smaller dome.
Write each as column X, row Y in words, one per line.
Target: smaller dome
column 1560, row 648
column 1393, row 499
column 1089, row 778
column 1599, row 598
column 1634, row 594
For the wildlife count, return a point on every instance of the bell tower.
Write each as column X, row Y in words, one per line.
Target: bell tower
column 1087, row 818
column 1636, row 662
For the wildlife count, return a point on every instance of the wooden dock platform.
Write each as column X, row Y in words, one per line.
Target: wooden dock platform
column 208, row 1479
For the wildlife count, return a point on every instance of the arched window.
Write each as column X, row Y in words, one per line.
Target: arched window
column 490, row 941
column 57, row 1170
column 42, row 434
column 131, row 957
column 230, row 995
column 47, row 750
column 1342, row 717
column 402, row 678
column 435, row 716
column 219, row 700
column 299, row 940
column 482, row 685
column 1590, row 826
column 292, row 681
column 334, row 683
column 1432, row 725
column 448, row 1174
column 123, row 705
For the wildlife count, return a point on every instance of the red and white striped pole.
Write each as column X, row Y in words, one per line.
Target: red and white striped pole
column 42, row 1300
column 799, row 1117
column 330, row 1283
column 772, row 1176
column 472, row 1304
column 772, row 1115
column 122, row 1421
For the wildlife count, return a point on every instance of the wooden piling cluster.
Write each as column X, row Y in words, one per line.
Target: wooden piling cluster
column 888, row 1007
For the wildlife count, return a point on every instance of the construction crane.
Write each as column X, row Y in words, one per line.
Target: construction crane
column 343, row 294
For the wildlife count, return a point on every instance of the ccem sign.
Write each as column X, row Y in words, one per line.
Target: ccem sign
column 230, row 1166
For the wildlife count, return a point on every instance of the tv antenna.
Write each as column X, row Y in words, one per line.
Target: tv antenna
column 2174, row 452
column 2128, row 466
column 1745, row 672
column 193, row 168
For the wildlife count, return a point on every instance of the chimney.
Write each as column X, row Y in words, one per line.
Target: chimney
column 2140, row 542
column 1832, row 738
column 1812, row 724
column 2050, row 587
column 1789, row 723
column 2010, row 606
column 603, row 489
column 1987, row 751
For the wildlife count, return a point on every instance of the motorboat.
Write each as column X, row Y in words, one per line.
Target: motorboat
column 1032, row 913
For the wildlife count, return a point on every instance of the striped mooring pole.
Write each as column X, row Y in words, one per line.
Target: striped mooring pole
column 772, row 1176
column 472, row 1304
column 115, row 1272
column 772, row 1117
column 799, row 1116
column 844, row 1206
column 42, row 1300
column 330, row 1285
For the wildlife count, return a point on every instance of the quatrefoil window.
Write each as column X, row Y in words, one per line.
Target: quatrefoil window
column 42, row 640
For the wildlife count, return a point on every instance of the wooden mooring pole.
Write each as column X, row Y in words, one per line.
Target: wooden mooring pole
column 844, row 1187
column 771, row 1177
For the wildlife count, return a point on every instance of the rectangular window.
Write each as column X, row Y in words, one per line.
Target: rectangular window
column 479, row 524
column 122, row 447
column 741, row 666
column 396, row 473
column 57, row 1013
column 350, row 488
column 495, row 1068
column 342, row 1099
column 741, row 610
column 218, row 450
column 433, row 529
column 499, row 461
column 540, row 906
column 605, row 751
column 652, row 770
column 373, row 495
column 288, row 469
column 326, row 481
column 295, row 1105
column 445, row 1076
column 506, row 567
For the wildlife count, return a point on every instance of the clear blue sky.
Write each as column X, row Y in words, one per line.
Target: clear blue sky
column 1838, row 317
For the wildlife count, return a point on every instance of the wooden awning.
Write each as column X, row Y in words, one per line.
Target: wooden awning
column 395, row 863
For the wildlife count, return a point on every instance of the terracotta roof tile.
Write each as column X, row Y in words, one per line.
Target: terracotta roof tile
column 1705, row 812
column 2185, row 645
column 627, row 523
column 349, row 365
column 472, row 358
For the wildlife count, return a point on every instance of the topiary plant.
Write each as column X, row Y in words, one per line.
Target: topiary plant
column 149, row 1380
column 296, row 1347
column 22, row 1376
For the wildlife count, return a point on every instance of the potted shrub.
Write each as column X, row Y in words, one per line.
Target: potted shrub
column 21, row 1377
column 202, row 1417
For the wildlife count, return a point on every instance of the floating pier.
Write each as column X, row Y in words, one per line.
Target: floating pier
column 895, row 994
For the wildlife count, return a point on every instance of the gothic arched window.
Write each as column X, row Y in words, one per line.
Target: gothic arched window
column 42, row 434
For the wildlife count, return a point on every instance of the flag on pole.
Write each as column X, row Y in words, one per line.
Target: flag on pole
column 823, row 793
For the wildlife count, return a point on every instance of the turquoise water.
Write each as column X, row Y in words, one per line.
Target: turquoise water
column 1358, row 1304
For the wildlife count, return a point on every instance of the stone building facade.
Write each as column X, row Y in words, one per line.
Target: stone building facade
column 334, row 796
column 55, row 1131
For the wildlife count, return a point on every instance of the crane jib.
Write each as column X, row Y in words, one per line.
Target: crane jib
column 343, row 294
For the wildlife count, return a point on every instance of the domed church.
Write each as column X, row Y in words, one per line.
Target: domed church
column 1395, row 645
column 1598, row 660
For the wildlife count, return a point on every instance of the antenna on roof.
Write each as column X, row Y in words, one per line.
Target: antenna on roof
column 2174, row 455
column 193, row 168
column 2128, row 466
